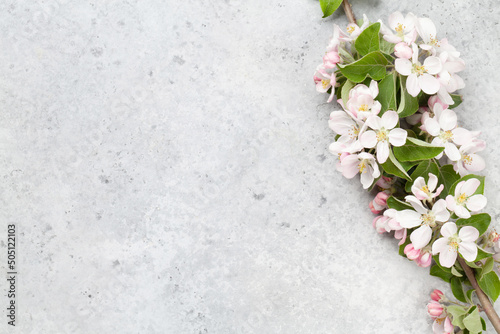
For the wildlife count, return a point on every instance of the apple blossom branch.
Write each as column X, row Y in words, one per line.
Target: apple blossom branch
column 348, row 11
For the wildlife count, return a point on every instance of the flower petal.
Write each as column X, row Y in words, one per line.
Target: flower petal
column 397, row 137
column 468, row 234
column 476, row 203
column 368, row 139
column 470, row 186
column 448, row 257
column 448, row 120
column 421, row 236
column 468, row 250
column 439, row 245
column 403, row 66
column 448, row 229
column 433, row 181
column 433, row 65
column 412, row 85
column 382, row 151
column 408, row 218
column 390, row 119
column 428, row 83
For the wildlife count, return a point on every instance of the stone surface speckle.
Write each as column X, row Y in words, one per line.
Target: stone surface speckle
column 166, row 166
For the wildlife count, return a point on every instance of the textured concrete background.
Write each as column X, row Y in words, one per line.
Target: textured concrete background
column 166, row 165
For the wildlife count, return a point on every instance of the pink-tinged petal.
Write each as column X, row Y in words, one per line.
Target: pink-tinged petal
column 400, row 234
column 426, row 29
column 382, row 151
column 409, row 22
column 421, row 236
column 374, row 122
column 416, row 204
column 448, row 229
column 433, row 65
column 458, row 188
column 445, row 96
column 438, row 190
column 416, row 188
column 368, row 139
column 468, row 234
column 461, row 136
column 376, row 170
column 395, row 19
column 350, row 166
column 452, row 152
column 428, row 83
column 402, row 50
column 433, row 181
column 389, row 119
column 425, row 47
column 440, row 211
column 376, row 107
column 448, row 257
column 448, row 326
column 448, row 120
column 408, row 218
column 462, row 212
column 475, row 164
column 397, row 137
column 468, row 250
column 403, row 66
column 476, row 203
column 340, row 122
column 439, row 245
column 470, row 186
column 412, row 85
column 432, row 126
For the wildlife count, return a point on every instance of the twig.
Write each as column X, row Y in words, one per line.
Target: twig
column 348, row 11
column 483, row 299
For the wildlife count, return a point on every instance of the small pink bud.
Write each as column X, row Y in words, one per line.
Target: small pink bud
column 373, row 209
column 402, row 50
column 436, row 295
column 380, row 224
column 385, row 182
column 424, row 260
column 381, row 198
column 411, row 253
column 331, row 59
column 434, row 309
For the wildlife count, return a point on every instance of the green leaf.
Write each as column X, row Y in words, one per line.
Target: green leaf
column 396, row 204
column 437, row 271
column 457, row 99
column 345, row 92
column 394, row 167
column 368, row 40
column 372, row 65
column 480, row 189
column 482, row 254
column 423, row 169
column 469, row 295
column 329, row 6
column 458, row 314
column 447, row 176
column 490, row 284
column 387, row 93
column 480, row 221
column 385, row 46
column 455, row 272
column 473, row 321
column 456, row 288
column 416, row 149
column 408, row 105
column 487, row 267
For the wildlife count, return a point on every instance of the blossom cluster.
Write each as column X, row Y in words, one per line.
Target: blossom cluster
column 397, row 128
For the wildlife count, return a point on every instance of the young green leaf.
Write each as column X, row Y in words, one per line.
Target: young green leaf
column 490, row 284
column 345, row 91
column 396, row 204
column 456, row 288
column 438, row 272
column 473, row 321
column 457, row 99
column 408, row 104
column 487, row 267
column 416, row 149
column 385, row 46
column 329, row 6
column 458, row 314
column 372, row 65
column 482, row 254
column 387, row 93
column 368, row 40
column 447, row 176
column 480, row 221
column 394, row 167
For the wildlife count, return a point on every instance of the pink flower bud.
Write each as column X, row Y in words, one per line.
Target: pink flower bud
column 436, row 295
column 411, row 253
column 371, row 205
column 434, row 309
column 330, row 59
column 402, row 50
column 381, row 198
column 380, row 224
column 385, row 182
column 424, row 260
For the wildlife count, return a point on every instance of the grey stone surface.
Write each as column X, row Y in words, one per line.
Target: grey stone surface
column 166, row 166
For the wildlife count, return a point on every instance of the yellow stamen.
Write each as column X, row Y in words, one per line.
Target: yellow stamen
column 363, row 107
column 382, row 135
column 428, row 219
column 350, row 29
column 462, row 198
column 399, row 28
column 325, row 83
column 425, row 189
column 446, row 136
column 362, row 166
column 419, row 69
column 467, row 159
